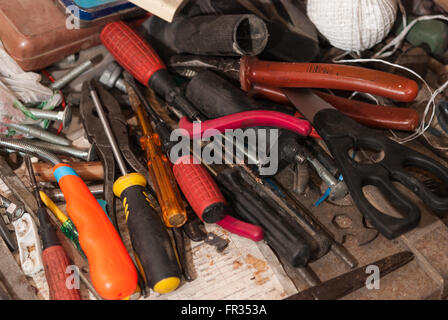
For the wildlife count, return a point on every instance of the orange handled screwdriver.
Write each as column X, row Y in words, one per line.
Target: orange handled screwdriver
column 111, row 268
column 54, row 258
column 159, row 166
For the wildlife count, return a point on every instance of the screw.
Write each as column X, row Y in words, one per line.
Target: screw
column 76, row 72
column 38, row 133
column 87, row 155
column 111, row 77
column 64, row 116
column 338, row 189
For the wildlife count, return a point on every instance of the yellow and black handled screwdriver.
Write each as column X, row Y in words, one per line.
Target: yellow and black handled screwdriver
column 154, row 251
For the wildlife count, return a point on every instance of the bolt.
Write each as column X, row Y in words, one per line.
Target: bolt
column 87, row 155
column 38, row 133
column 111, row 77
column 338, row 189
column 76, row 72
column 64, row 116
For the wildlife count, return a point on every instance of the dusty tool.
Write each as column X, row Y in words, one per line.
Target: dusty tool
column 53, row 255
column 250, row 71
column 213, row 35
column 123, row 43
column 38, row 133
column 13, row 212
column 112, row 271
column 111, row 77
column 345, row 284
column 97, row 137
column 76, row 72
column 342, row 134
column 201, row 191
column 65, row 116
column 149, row 237
column 88, row 171
column 86, row 155
column 159, row 166
column 219, row 243
column 67, row 228
column 58, row 196
column 385, row 117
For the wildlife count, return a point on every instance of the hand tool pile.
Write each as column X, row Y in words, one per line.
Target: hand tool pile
column 217, row 67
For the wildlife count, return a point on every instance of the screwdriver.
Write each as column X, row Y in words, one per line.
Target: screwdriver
column 54, row 258
column 67, row 228
column 112, row 271
column 159, row 166
column 149, row 237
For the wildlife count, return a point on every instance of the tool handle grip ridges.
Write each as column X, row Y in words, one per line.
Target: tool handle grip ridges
column 132, row 52
column 198, row 186
column 55, row 263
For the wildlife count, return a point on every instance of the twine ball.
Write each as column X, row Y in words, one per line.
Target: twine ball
column 353, row 25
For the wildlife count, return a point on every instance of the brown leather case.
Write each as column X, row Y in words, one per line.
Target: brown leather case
column 35, row 35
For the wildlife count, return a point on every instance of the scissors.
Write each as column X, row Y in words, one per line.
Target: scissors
column 342, row 134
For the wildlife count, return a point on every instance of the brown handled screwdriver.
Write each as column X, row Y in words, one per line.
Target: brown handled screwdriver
column 54, row 258
column 149, row 236
column 383, row 117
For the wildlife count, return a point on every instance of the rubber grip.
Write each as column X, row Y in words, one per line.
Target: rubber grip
column 247, row 119
column 150, row 241
column 384, row 117
column 111, row 269
column 242, row 228
column 321, row 75
column 55, row 262
column 132, row 52
column 199, row 188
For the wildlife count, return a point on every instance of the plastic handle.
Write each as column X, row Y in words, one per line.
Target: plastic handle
column 55, row 265
column 331, row 76
column 149, row 236
column 131, row 51
column 242, row 228
column 200, row 189
column 111, row 268
column 247, row 119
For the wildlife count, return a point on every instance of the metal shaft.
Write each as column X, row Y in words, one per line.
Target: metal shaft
column 87, row 155
column 38, row 133
column 63, row 116
column 109, row 133
column 74, row 73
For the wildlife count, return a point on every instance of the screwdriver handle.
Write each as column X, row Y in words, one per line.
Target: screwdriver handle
column 149, row 236
column 111, row 269
column 206, row 199
column 200, row 189
column 56, row 262
column 321, row 75
column 131, row 51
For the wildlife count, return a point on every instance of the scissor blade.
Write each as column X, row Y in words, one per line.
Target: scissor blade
column 349, row 282
column 306, row 102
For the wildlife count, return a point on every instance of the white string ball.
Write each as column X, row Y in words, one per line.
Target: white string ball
column 353, row 25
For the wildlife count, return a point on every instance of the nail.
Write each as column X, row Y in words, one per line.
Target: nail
column 87, row 155
column 64, row 116
column 39, row 133
column 76, row 72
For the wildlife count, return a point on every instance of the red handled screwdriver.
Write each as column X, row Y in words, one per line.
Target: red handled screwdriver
column 53, row 255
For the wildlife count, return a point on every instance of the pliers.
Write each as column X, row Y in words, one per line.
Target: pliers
column 97, row 137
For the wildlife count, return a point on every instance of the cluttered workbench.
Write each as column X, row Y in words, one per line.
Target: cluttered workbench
column 223, row 150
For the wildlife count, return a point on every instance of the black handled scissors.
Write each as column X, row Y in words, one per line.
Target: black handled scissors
column 342, row 134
